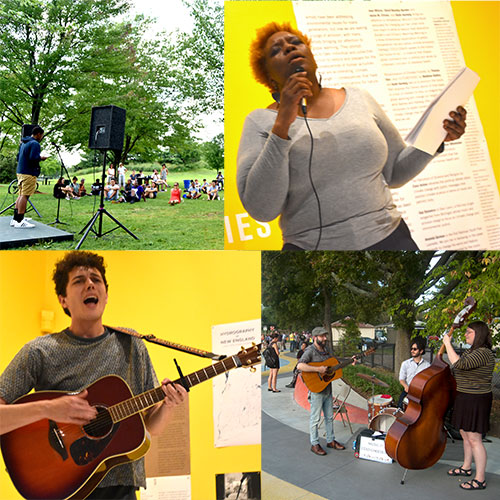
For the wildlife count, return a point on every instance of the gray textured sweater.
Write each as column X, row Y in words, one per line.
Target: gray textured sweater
column 358, row 154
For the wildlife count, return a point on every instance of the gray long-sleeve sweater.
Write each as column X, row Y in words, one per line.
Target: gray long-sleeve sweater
column 358, row 154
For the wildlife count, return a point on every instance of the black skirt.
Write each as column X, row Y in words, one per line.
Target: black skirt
column 471, row 412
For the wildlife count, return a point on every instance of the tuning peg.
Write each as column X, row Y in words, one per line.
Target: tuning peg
column 252, row 369
column 243, row 349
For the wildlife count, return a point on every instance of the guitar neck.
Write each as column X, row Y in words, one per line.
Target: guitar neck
column 148, row 399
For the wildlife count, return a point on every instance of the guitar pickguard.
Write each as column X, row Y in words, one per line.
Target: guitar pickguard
column 85, row 450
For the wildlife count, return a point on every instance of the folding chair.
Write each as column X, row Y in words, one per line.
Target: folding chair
column 339, row 404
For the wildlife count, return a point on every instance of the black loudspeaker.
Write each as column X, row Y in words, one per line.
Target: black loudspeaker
column 27, row 129
column 107, row 128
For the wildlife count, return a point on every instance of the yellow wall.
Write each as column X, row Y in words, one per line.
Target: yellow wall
column 177, row 296
column 478, row 29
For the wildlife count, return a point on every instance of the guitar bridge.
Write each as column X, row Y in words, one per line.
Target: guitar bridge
column 56, row 440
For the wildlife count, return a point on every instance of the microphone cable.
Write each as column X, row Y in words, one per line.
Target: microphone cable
column 304, row 111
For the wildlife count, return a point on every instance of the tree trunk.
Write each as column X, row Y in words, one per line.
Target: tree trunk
column 327, row 314
column 402, row 349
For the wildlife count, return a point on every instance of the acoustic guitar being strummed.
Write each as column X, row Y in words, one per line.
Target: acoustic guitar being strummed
column 52, row 460
column 316, row 382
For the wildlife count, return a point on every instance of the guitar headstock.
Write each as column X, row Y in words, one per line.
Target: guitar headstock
column 250, row 356
column 470, row 304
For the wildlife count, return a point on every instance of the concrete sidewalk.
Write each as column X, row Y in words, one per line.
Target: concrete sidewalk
column 290, row 471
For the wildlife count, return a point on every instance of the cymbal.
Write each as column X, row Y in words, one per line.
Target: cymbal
column 373, row 379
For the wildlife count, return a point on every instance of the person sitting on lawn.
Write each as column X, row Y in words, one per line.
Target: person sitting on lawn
column 75, row 186
column 111, row 190
column 150, row 190
column 175, row 194
column 193, row 193
column 137, row 192
column 61, row 190
column 162, row 184
column 205, row 186
column 82, row 191
column 212, row 192
column 96, row 187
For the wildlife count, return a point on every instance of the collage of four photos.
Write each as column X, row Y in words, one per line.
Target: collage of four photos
column 305, row 193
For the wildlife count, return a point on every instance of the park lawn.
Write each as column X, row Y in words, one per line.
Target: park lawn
column 192, row 225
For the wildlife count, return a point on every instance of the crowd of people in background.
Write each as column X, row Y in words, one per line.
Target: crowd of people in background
column 139, row 187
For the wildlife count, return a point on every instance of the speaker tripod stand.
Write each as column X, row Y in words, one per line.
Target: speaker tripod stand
column 99, row 215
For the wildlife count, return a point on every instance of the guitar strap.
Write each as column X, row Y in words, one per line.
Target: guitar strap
column 166, row 343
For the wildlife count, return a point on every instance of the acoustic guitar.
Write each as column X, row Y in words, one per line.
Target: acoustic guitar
column 52, row 460
column 316, row 382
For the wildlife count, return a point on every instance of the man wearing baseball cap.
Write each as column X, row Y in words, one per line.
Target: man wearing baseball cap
column 317, row 351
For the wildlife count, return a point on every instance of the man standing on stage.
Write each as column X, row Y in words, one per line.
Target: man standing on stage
column 412, row 366
column 320, row 401
column 73, row 359
column 28, row 169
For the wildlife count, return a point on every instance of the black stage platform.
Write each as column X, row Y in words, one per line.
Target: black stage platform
column 11, row 237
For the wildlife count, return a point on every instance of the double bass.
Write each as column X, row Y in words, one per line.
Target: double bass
column 417, row 439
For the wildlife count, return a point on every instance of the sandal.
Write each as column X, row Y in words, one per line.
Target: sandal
column 474, row 485
column 459, row 471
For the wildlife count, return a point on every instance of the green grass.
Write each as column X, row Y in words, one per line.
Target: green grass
column 192, row 225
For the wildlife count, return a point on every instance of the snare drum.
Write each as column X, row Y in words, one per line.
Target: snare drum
column 383, row 421
column 377, row 403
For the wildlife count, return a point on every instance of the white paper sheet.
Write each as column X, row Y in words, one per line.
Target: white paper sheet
column 404, row 54
column 237, row 393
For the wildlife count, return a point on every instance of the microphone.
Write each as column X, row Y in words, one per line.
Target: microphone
column 303, row 102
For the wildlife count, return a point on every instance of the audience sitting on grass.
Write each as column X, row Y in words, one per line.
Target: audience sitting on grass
column 75, row 186
column 112, row 190
column 150, row 190
column 204, row 186
column 220, row 181
column 192, row 193
column 133, row 176
column 175, row 194
column 137, row 192
column 82, row 191
column 212, row 192
column 62, row 190
column 161, row 183
column 96, row 187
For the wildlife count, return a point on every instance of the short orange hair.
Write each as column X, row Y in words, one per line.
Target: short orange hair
column 257, row 55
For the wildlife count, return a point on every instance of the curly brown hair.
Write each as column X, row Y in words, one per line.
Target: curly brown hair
column 257, row 54
column 76, row 258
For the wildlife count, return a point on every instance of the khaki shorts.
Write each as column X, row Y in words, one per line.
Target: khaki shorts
column 27, row 184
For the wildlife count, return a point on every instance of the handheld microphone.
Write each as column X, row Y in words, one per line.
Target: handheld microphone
column 303, row 102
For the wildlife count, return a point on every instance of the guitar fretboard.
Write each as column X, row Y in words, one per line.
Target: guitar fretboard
column 147, row 399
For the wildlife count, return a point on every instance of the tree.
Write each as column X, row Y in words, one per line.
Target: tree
column 52, row 49
column 351, row 337
column 456, row 276
column 213, row 152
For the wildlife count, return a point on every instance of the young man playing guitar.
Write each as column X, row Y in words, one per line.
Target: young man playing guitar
column 73, row 359
column 320, row 401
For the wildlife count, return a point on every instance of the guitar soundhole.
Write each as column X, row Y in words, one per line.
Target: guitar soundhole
column 101, row 425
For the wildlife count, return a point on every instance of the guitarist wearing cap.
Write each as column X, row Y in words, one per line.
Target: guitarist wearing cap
column 73, row 359
column 320, row 401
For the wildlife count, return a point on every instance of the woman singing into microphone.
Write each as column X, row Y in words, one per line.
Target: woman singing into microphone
column 333, row 194
column 471, row 412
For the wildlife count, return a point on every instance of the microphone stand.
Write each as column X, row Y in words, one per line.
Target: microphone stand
column 98, row 216
column 57, row 221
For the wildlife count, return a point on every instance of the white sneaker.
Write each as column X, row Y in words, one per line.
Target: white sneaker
column 12, row 221
column 24, row 224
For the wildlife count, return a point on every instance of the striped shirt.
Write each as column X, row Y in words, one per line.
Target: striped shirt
column 474, row 371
